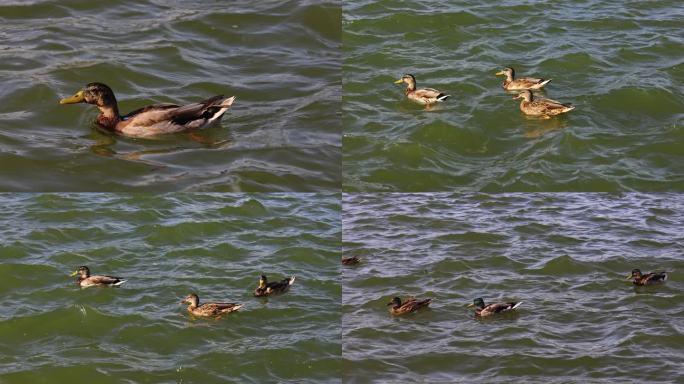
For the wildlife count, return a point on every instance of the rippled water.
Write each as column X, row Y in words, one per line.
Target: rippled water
column 280, row 58
column 620, row 63
column 565, row 255
column 168, row 246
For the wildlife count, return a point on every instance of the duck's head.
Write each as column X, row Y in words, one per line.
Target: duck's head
column 82, row 271
column 94, row 93
column 636, row 274
column 263, row 281
column 526, row 94
column 396, row 302
column 191, row 299
column 477, row 303
column 408, row 79
column 508, row 72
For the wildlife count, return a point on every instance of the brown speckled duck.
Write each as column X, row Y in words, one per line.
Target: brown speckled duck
column 85, row 280
column 350, row 260
column 152, row 120
column 647, row 279
column 410, row 305
column 513, row 84
column 544, row 108
column 483, row 310
column 274, row 288
column 208, row 309
column 425, row 96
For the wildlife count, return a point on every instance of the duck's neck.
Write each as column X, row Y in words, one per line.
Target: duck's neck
column 411, row 87
column 509, row 77
column 109, row 116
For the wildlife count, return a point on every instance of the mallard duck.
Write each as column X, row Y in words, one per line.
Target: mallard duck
column 151, row 120
column 544, row 108
column 485, row 310
column 85, row 280
column 650, row 278
column 208, row 309
column 410, row 305
column 351, row 260
column 513, row 84
column 277, row 287
column 425, row 96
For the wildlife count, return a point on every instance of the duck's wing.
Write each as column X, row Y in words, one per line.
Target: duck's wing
column 501, row 307
column 548, row 106
column 189, row 116
column 413, row 304
column 150, row 108
column 222, row 307
column 655, row 277
column 428, row 93
column 528, row 83
column 281, row 285
column 105, row 280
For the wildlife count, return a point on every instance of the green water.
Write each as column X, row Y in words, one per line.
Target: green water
column 216, row 245
column 280, row 58
column 620, row 63
column 564, row 255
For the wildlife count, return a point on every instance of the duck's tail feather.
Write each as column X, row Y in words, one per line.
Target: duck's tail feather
column 224, row 104
column 292, row 280
column 442, row 97
column 543, row 83
column 119, row 283
column 517, row 305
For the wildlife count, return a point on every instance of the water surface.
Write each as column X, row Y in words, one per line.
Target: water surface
column 280, row 58
column 620, row 63
column 565, row 256
column 167, row 246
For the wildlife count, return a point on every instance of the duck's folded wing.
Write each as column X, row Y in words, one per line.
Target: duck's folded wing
column 150, row 108
column 532, row 80
column 203, row 110
column 428, row 93
column 99, row 279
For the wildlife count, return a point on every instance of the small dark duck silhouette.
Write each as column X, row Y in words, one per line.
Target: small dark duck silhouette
column 410, row 305
column 647, row 279
column 483, row 310
column 277, row 287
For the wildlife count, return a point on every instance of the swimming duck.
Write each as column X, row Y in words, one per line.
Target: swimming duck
column 513, row 84
column 151, row 120
column 85, row 280
column 208, row 309
column 277, row 287
column 544, row 108
column 410, row 305
column 351, row 260
column 650, row 278
column 485, row 310
column 425, row 96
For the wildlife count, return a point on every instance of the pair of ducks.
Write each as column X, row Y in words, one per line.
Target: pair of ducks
column 481, row 309
column 412, row 304
column 538, row 107
column 211, row 309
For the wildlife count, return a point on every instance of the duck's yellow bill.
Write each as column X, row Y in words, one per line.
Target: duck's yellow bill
column 500, row 73
column 470, row 305
column 74, row 273
column 399, row 81
column 77, row 98
column 629, row 277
